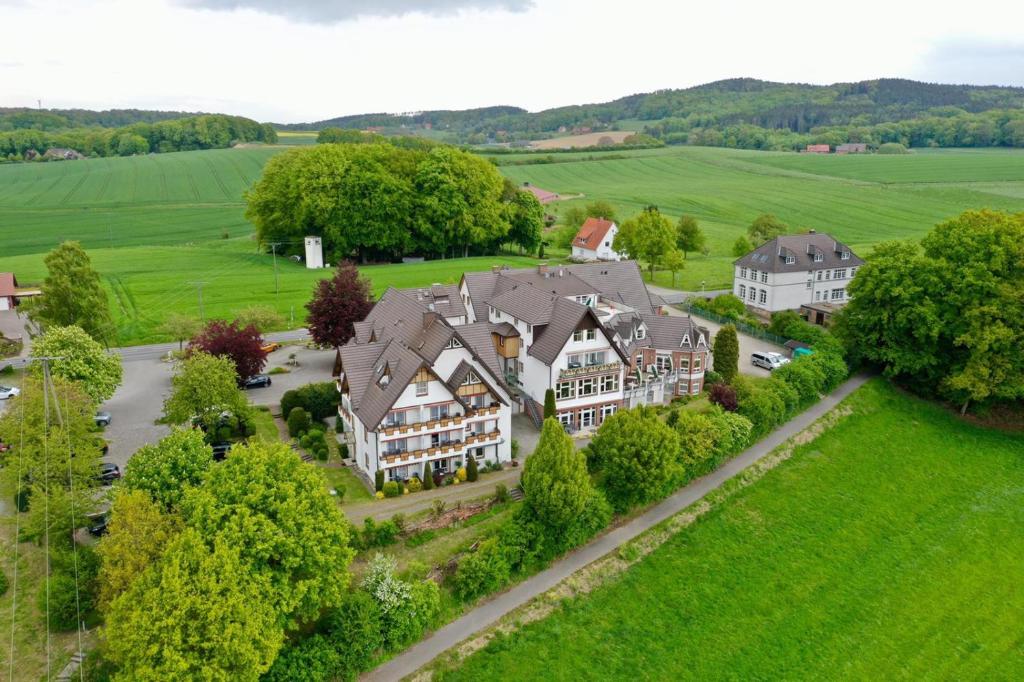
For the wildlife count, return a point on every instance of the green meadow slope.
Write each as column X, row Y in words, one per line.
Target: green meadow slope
column 156, row 223
column 887, row 548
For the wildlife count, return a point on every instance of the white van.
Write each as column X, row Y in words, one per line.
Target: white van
column 769, row 361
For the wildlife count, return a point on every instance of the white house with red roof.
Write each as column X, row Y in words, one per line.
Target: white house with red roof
column 594, row 241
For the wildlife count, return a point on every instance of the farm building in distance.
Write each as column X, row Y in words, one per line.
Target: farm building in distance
column 817, row 149
column 543, row 196
column 61, row 154
column 852, row 148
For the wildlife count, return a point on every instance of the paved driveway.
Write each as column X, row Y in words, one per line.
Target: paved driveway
column 748, row 344
column 138, row 403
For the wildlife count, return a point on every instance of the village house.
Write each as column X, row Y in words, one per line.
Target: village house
column 852, row 148
column 434, row 374
column 594, row 241
column 542, row 195
column 817, row 149
column 793, row 271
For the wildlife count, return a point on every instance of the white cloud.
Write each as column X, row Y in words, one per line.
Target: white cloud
column 330, row 11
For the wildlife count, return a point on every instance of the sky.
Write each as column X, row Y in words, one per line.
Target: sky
column 307, row 60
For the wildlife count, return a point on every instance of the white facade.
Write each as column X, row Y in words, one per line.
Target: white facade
column 774, row 292
column 604, row 250
column 314, row 253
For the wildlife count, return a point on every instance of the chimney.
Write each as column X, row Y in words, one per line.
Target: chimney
column 543, row 269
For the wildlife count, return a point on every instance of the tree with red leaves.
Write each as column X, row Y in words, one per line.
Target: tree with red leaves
column 228, row 339
column 337, row 304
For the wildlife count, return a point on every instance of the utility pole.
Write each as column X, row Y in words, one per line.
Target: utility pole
column 273, row 248
column 199, row 290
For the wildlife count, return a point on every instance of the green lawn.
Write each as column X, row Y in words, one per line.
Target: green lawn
column 342, row 477
column 889, row 547
column 154, row 224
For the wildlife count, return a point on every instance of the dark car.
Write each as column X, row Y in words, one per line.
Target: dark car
column 257, row 381
column 109, row 472
column 220, row 451
column 98, row 524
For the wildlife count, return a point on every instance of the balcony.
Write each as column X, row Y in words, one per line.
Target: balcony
column 449, row 449
column 588, row 370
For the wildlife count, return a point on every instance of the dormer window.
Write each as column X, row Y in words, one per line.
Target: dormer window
column 471, row 378
column 685, row 341
column 790, row 260
column 818, row 257
column 640, row 333
column 846, row 255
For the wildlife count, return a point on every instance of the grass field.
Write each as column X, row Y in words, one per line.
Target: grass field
column 887, row 548
column 155, row 223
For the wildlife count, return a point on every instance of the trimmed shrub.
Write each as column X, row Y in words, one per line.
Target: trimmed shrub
column 711, row 377
column 415, row 485
column 549, row 403
column 339, row 425
column 787, row 394
column 378, row 480
column 319, row 399
column 392, row 489
column 322, row 453
column 724, row 396
column 482, row 572
column 378, row 534
column 833, row 369
column 461, row 474
column 696, row 440
column 472, row 472
column 726, row 353
column 298, row 422
column 514, row 446
column 428, row 478
column 343, row 450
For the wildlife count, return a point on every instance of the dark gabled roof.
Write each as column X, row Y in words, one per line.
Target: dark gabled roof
column 566, row 315
column 771, row 256
column 527, row 303
column 619, row 281
column 445, row 299
column 476, row 338
column 459, row 375
column 364, row 364
column 480, row 286
column 667, row 332
column 397, row 316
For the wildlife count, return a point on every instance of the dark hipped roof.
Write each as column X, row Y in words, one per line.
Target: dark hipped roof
column 619, row 281
column 526, row 303
column 566, row 315
column 771, row 256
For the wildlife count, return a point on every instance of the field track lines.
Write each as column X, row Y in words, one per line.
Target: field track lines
column 217, row 178
column 49, row 188
column 107, row 179
column 85, row 174
column 187, row 172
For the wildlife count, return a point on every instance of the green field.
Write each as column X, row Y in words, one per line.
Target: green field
column 888, row 548
column 155, row 223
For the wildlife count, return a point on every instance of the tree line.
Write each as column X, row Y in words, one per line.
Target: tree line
column 207, row 131
column 383, row 200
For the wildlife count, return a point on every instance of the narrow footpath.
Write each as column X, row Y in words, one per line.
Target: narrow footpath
column 488, row 613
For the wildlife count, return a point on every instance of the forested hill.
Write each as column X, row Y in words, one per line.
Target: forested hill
column 794, row 107
column 22, row 118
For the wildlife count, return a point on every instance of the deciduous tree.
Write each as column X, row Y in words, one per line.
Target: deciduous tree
column 337, row 304
column 673, row 262
column 165, row 469
column 180, row 327
column 275, row 508
column 648, row 236
column 689, row 236
column 242, row 345
column 765, row 228
column 263, row 317
column 203, row 388
column 80, row 358
column 72, row 294
column 525, row 217
column 741, row 247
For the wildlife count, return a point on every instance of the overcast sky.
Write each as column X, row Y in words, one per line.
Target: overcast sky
column 307, row 60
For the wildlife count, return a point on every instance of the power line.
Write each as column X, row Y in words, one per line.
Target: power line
column 273, row 248
column 199, row 290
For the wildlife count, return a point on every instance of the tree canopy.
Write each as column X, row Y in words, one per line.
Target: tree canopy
column 555, row 480
column 165, row 469
column 765, row 228
column 204, row 387
column 689, row 236
column 79, row 358
column 948, row 317
column 72, row 294
column 337, row 304
column 648, row 236
column 727, row 352
column 382, row 200
column 243, row 345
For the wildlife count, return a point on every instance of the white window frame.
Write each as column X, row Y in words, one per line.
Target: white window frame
column 762, row 296
column 422, row 388
column 696, row 363
column 607, row 411
column 743, row 273
column 753, row 294
column 684, row 365
column 590, row 382
column 565, row 390
column 790, row 260
column 845, row 255
column 818, row 257
column 609, row 383
column 663, row 362
column 588, row 418
column 743, row 291
column 764, row 278
column 566, row 419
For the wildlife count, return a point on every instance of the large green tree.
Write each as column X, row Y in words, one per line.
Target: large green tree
column 78, row 357
column 765, row 228
column 166, row 469
column 275, row 508
column 949, row 317
column 73, row 294
column 555, row 480
column 137, row 536
column 647, row 236
column 203, row 387
column 637, row 453
column 525, row 217
column 726, row 352
column 199, row 613
column 689, row 236
column 55, row 459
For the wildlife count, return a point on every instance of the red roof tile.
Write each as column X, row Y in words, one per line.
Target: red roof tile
column 592, row 233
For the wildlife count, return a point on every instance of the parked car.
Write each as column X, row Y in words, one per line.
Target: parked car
column 257, row 381
column 769, row 361
column 220, row 451
column 270, row 347
column 98, row 524
column 109, row 472
column 102, row 419
column 8, row 392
